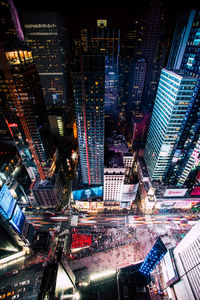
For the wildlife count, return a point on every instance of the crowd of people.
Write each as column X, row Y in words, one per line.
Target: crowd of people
column 103, row 238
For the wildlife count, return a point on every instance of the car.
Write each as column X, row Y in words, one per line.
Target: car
column 25, row 282
column 15, row 296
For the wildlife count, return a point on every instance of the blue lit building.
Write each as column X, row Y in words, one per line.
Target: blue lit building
column 153, row 257
column 14, row 228
column 180, row 39
column 184, row 166
column 173, row 97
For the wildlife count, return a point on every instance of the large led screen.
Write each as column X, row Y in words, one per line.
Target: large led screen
column 88, row 193
column 195, row 191
column 18, row 219
column 7, row 202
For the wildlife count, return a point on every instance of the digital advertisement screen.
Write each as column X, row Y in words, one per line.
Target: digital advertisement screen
column 7, row 202
column 195, row 191
column 88, row 193
column 18, row 219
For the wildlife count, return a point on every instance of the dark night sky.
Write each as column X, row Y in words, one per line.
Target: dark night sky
column 119, row 13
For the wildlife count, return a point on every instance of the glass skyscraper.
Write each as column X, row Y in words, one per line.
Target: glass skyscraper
column 172, row 99
column 185, row 164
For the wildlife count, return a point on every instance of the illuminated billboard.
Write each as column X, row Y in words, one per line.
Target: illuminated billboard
column 88, row 193
column 175, row 192
column 7, row 203
column 18, row 219
column 195, row 191
column 129, row 192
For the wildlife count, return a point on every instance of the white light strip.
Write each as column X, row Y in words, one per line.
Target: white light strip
column 12, row 257
column 102, row 274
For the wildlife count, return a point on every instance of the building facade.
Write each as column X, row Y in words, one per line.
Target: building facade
column 113, row 184
column 180, row 39
column 184, row 167
column 89, row 93
column 105, row 40
column 46, row 35
column 173, row 96
column 151, row 50
column 181, row 273
column 136, row 86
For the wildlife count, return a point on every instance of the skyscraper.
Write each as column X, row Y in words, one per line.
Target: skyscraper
column 184, row 166
column 173, row 97
column 22, row 102
column 46, row 35
column 105, row 40
column 136, row 84
column 89, row 93
column 151, row 51
column 180, row 39
column 181, row 274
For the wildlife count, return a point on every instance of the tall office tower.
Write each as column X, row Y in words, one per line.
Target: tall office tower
column 184, row 167
column 181, row 270
column 89, row 93
column 180, row 39
column 10, row 29
column 151, row 51
column 46, row 35
column 173, row 97
column 130, row 53
column 22, row 102
column 103, row 40
column 136, row 84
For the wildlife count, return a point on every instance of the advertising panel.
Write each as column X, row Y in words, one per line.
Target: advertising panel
column 195, row 191
column 18, row 219
column 175, row 192
column 83, row 205
column 7, row 202
column 88, row 193
column 99, row 205
column 93, row 205
column 129, row 192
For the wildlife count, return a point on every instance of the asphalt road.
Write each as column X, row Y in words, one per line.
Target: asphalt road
column 175, row 220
